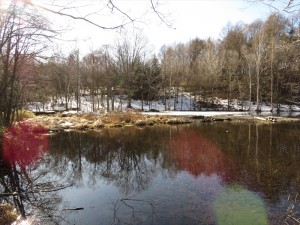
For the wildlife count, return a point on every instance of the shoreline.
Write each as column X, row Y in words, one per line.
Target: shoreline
column 86, row 122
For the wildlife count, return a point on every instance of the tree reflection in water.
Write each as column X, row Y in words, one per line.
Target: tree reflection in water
column 152, row 172
column 24, row 176
column 198, row 155
column 126, row 158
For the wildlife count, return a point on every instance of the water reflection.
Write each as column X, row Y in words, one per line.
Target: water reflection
column 24, row 176
column 236, row 205
column 23, row 144
column 173, row 175
column 265, row 155
column 198, row 155
column 127, row 158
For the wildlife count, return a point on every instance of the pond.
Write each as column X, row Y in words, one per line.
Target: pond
column 213, row 173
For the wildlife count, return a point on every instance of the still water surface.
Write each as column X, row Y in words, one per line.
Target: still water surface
column 220, row 173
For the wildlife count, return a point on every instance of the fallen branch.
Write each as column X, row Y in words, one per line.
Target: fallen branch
column 80, row 208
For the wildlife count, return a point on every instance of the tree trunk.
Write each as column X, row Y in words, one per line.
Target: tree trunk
column 250, row 86
column 181, row 101
column 112, row 100
column 257, row 88
column 229, row 92
column 165, row 99
column 142, row 100
column 272, row 75
column 66, row 103
column 107, row 99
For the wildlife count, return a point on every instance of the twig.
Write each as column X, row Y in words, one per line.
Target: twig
column 34, row 191
column 293, row 218
column 158, row 13
column 132, row 208
column 111, row 5
column 77, row 17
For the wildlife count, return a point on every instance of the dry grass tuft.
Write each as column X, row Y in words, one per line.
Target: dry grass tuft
column 90, row 116
column 121, row 117
column 7, row 214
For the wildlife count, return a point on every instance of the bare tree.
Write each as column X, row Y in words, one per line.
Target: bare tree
column 232, row 45
column 100, row 77
column 110, row 76
column 91, row 72
column 152, row 80
column 168, row 61
column 72, row 79
column 256, row 37
column 180, row 72
column 129, row 52
column 275, row 29
column 23, row 34
column 212, row 63
column 250, row 62
column 195, row 49
column 259, row 50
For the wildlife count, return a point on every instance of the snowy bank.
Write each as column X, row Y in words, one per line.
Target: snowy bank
column 194, row 113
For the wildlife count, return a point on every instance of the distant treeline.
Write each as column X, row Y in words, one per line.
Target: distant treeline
column 257, row 62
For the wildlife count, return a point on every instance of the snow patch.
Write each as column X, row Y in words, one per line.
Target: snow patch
column 184, row 105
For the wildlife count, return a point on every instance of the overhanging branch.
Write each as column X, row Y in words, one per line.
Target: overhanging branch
column 85, row 19
column 110, row 5
column 159, row 14
column 289, row 6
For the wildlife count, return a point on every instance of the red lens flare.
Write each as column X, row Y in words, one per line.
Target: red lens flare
column 198, row 155
column 24, row 143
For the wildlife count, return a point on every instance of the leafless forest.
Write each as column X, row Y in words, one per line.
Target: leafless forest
column 257, row 62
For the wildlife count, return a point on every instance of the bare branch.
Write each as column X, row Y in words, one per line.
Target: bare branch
column 36, row 191
column 159, row 14
column 112, row 6
column 28, row 2
column 288, row 6
column 128, row 19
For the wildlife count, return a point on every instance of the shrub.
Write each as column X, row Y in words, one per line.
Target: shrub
column 23, row 114
column 19, row 115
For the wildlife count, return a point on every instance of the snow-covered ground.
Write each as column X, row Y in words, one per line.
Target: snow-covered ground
column 185, row 106
column 196, row 113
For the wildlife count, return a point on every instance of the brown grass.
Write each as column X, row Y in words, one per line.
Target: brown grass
column 7, row 215
column 121, row 117
column 90, row 116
